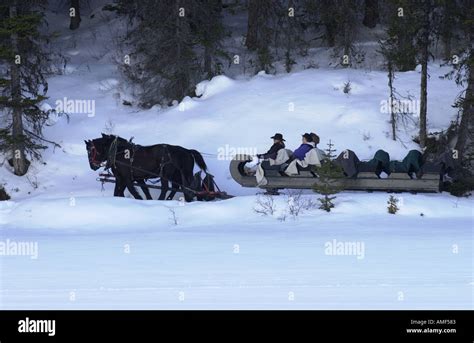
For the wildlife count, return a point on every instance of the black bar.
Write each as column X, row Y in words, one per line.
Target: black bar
column 308, row 325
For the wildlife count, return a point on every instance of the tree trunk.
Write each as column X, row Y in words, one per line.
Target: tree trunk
column 424, row 77
column 408, row 62
column 465, row 141
column 330, row 34
column 208, row 61
column 20, row 165
column 76, row 19
column 251, row 40
column 447, row 47
column 180, row 88
column 327, row 11
column 447, row 27
column 423, row 97
column 211, row 41
column 371, row 14
column 392, row 100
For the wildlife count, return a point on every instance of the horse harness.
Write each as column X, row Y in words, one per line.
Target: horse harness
column 112, row 161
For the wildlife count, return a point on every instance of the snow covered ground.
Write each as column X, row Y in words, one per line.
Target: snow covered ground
column 96, row 251
column 121, row 253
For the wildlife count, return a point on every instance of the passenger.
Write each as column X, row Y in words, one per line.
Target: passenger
column 304, row 148
column 273, row 158
column 315, row 138
column 277, row 145
column 303, row 157
column 321, row 153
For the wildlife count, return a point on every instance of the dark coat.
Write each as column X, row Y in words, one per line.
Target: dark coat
column 348, row 161
column 272, row 153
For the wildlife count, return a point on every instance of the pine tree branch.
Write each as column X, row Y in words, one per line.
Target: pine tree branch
column 56, row 145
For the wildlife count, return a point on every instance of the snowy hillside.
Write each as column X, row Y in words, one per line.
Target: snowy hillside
column 223, row 254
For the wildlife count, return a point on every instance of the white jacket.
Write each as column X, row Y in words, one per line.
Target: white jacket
column 282, row 156
column 312, row 157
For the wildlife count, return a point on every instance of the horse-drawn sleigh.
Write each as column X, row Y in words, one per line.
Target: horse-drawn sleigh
column 129, row 165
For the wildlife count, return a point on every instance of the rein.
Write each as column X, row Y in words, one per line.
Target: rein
column 112, row 153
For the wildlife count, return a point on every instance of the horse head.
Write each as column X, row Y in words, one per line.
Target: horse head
column 97, row 151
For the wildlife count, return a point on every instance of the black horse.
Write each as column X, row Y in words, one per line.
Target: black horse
column 131, row 163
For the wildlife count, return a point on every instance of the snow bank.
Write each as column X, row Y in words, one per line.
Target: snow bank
column 218, row 84
column 109, row 214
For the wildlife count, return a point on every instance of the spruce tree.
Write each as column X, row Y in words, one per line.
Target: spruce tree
column 392, row 207
column 371, row 13
column 261, row 29
column 463, row 63
column 75, row 14
column 23, row 85
column 328, row 175
column 327, row 11
column 424, row 45
column 450, row 25
column 173, row 44
column 402, row 26
column 290, row 33
column 293, row 32
column 388, row 50
column 339, row 19
column 208, row 27
column 413, row 27
column 258, row 24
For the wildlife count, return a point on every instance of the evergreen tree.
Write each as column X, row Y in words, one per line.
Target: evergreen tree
column 413, row 27
column 328, row 173
column 449, row 25
column 388, row 50
column 261, row 31
column 209, row 30
column 291, row 33
column 173, row 45
column 258, row 24
column 402, row 26
column 392, row 205
column 294, row 26
column 75, row 14
column 162, row 62
column 339, row 19
column 423, row 44
column 371, row 13
column 23, row 85
column 327, row 11
column 464, row 70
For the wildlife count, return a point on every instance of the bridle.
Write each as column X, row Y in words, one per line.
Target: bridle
column 94, row 153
